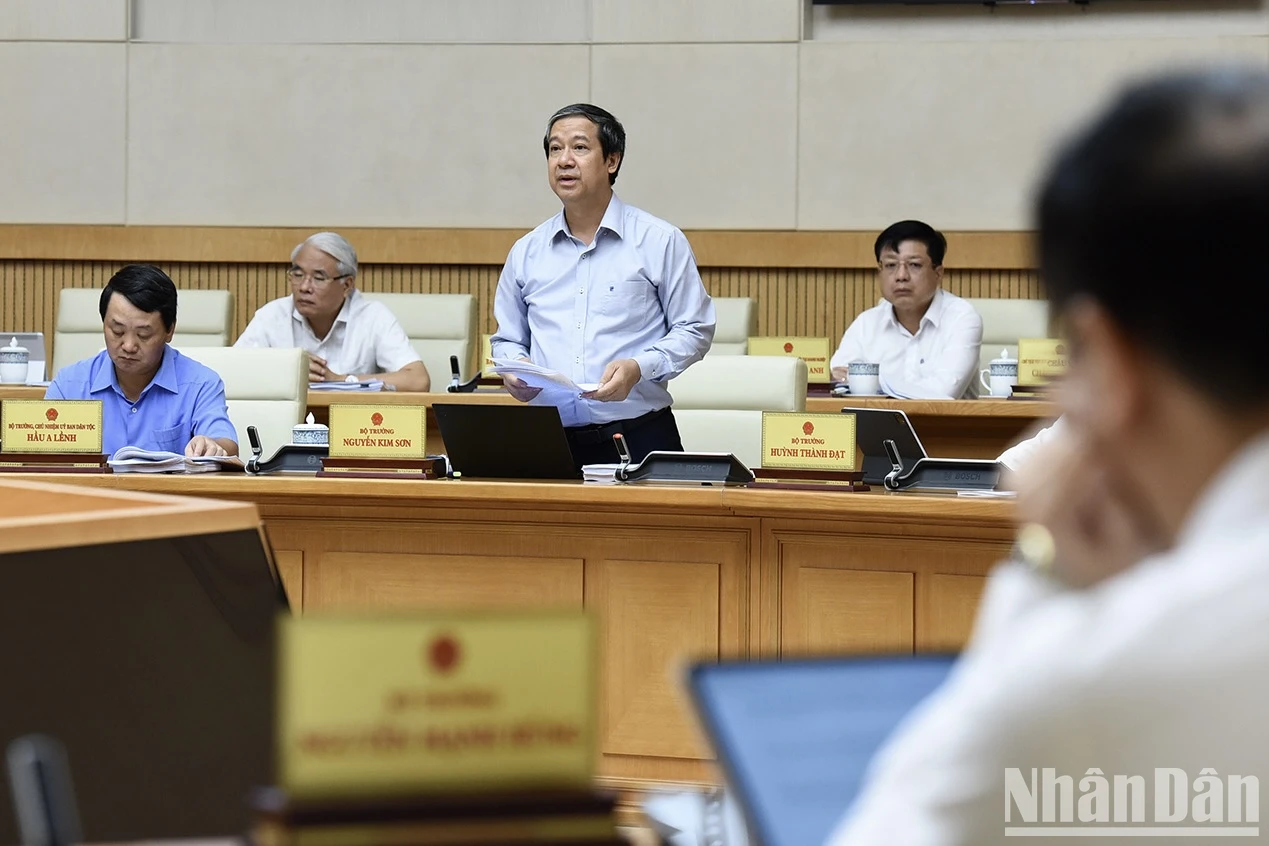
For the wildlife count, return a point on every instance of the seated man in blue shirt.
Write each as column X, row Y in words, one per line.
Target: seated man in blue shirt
column 152, row 396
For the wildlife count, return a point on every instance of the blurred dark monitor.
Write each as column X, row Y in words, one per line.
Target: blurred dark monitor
column 152, row 661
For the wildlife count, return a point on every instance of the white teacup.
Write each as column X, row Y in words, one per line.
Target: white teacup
column 1000, row 376
column 863, row 377
column 13, row 363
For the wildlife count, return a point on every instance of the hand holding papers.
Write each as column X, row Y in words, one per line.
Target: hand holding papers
column 553, row 387
column 131, row 459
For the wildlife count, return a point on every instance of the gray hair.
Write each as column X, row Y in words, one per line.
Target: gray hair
column 335, row 246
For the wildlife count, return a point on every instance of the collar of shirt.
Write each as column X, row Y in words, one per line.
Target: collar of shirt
column 933, row 314
column 165, row 377
column 1235, row 498
column 345, row 312
column 613, row 220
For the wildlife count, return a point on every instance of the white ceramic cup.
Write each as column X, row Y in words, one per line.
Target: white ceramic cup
column 863, row 377
column 13, row 363
column 1000, row 377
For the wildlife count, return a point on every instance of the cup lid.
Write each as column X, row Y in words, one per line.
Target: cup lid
column 1004, row 358
column 12, row 346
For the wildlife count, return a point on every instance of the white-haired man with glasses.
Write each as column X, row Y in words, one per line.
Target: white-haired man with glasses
column 348, row 337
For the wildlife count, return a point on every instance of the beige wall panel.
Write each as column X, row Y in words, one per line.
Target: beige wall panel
column 702, row 21
column 1103, row 19
column 361, row 21
column 62, row 137
column 63, row 20
column 345, row 135
column 956, row 133
column 712, row 130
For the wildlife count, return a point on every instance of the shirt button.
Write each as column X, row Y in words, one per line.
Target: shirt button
column 577, row 361
column 134, row 409
column 585, row 256
column 579, row 326
column 581, row 290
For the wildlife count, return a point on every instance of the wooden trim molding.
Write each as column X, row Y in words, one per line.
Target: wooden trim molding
column 713, row 248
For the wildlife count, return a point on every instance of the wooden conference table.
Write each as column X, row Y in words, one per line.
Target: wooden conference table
column 947, row 428
column 673, row 574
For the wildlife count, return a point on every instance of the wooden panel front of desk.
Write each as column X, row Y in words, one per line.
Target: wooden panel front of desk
column 673, row 574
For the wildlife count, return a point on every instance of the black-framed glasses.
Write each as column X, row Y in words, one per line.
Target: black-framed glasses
column 318, row 278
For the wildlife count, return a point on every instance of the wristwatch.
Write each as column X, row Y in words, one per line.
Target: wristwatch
column 1034, row 547
column 351, row 378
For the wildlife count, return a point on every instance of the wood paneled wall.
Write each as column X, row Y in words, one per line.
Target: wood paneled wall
column 791, row 301
column 791, row 275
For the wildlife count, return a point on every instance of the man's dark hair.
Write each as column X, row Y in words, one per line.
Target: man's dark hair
column 147, row 288
column 612, row 136
column 912, row 230
column 1165, row 194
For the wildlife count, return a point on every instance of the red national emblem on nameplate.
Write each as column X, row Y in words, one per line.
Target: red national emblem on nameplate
column 1060, row 349
column 788, row 347
column 376, row 419
column 808, row 428
column 443, row 654
column 51, row 414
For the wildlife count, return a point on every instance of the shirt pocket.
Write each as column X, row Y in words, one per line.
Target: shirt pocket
column 171, row 439
column 625, row 298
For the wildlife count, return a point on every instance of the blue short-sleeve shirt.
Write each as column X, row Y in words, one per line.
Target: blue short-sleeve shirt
column 183, row 399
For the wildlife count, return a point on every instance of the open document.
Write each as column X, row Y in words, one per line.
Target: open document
column 132, row 459
column 368, row 385
column 554, row 385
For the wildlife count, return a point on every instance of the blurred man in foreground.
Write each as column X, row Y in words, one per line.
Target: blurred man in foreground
column 1117, row 675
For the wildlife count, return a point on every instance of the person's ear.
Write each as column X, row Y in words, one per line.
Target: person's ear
column 614, row 162
column 167, row 339
column 1108, row 382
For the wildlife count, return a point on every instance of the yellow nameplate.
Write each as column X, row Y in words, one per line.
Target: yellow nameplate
column 486, row 355
column 814, row 351
column 439, row 702
column 50, row 426
column 802, row 441
column 378, row 431
column 1040, row 359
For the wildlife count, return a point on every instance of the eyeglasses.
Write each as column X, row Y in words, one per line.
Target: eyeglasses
column 318, row 278
column 890, row 268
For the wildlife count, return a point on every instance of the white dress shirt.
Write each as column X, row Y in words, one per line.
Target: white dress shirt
column 1163, row 665
column 633, row 293
column 939, row 362
column 365, row 338
column 1021, row 452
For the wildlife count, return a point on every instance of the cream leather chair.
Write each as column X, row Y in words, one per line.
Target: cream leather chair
column 1007, row 320
column 736, row 320
column 438, row 326
column 203, row 319
column 265, row 387
column 718, row 402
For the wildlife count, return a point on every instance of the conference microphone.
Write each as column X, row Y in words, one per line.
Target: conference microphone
column 43, row 796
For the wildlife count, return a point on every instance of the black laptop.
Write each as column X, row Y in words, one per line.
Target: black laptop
column 152, row 663
column 795, row 738
column 873, row 426
column 505, row 441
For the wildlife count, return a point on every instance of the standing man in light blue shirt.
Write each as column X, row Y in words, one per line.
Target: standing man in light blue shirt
column 604, row 293
column 152, row 396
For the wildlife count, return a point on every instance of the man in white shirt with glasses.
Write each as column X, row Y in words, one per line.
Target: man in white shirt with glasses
column 925, row 339
column 348, row 337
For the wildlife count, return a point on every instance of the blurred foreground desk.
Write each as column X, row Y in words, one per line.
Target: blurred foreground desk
column 947, row 428
column 673, row 573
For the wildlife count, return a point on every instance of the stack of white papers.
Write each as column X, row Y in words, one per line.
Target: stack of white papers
column 132, row 459
column 555, row 386
column 600, row 474
column 368, row 385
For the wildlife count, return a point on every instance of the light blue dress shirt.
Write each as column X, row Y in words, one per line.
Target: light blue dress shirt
column 633, row 293
column 183, row 399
